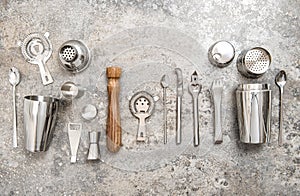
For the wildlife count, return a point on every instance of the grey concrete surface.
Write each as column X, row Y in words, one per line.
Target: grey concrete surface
column 149, row 39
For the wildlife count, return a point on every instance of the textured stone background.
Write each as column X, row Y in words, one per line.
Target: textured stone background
column 152, row 37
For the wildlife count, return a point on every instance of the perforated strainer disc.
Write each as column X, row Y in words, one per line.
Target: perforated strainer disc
column 141, row 103
column 142, row 106
column 74, row 56
column 68, row 53
column 257, row 61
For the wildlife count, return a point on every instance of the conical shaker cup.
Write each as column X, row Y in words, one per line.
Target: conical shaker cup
column 254, row 112
column 39, row 121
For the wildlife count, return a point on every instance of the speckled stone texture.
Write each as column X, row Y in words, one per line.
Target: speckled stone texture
column 149, row 39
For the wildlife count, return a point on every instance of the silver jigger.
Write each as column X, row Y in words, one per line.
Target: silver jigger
column 94, row 150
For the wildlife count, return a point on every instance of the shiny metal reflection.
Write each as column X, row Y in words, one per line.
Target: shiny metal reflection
column 94, row 149
column 254, row 112
column 39, row 121
column 254, row 62
column 221, row 54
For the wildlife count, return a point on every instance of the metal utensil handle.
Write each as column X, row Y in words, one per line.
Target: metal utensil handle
column 280, row 142
column 218, row 127
column 141, row 134
column 45, row 74
column 196, row 124
column 15, row 140
column 178, row 120
column 165, row 116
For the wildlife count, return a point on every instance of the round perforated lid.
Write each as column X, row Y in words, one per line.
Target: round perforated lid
column 68, row 53
column 257, row 60
column 141, row 103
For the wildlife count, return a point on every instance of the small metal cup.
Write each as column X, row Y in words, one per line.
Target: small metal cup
column 254, row 112
column 39, row 121
column 94, row 150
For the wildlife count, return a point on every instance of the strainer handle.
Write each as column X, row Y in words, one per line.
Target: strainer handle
column 45, row 74
column 141, row 134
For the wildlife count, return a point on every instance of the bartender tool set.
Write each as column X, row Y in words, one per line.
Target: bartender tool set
column 40, row 112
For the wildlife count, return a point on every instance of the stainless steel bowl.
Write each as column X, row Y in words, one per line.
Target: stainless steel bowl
column 74, row 56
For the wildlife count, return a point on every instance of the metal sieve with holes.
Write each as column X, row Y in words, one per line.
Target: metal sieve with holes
column 74, row 56
column 68, row 53
column 254, row 63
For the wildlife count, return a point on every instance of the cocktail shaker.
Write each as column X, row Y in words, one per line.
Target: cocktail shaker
column 254, row 112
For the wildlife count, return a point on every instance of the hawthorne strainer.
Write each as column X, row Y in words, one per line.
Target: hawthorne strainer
column 74, row 56
column 37, row 49
column 254, row 63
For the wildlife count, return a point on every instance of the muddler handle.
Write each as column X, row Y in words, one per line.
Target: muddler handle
column 113, row 126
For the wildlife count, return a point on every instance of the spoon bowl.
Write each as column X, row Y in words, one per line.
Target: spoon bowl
column 14, row 76
column 281, row 79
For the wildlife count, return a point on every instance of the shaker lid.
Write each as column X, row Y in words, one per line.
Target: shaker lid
column 248, row 87
column 221, row 53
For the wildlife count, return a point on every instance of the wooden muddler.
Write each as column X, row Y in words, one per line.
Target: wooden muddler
column 113, row 126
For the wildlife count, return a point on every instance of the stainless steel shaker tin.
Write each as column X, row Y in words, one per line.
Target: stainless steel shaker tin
column 254, row 112
column 254, row 62
column 39, row 121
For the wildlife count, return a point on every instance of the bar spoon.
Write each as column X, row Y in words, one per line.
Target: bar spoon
column 14, row 79
column 280, row 81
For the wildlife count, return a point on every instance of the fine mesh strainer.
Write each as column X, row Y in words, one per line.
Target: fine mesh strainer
column 74, row 56
column 254, row 63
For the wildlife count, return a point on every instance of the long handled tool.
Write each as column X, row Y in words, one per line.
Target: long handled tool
column 179, row 104
column 113, row 126
column 195, row 88
column 164, row 84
